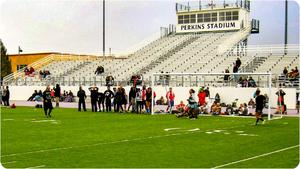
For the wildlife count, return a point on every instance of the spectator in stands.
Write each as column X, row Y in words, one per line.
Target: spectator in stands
column 81, row 96
column 99, row 70
column 238, row 63
column 26, row 71
column 118, row 99
column 108, row 96
column 170, row 100
column 31, row 71
column 148, row 100
column 201, row 96
column 32, row 96
column 245, row 82
column 57, row 95
column 132, row 96
column 226, row 77
column 235, row 70
column 285, row 72
column 167, row 81
column 94, row 97
column 109, row 81
column 251, row 82
column 240, row 82
column 192, row 105
column 139, row 102
column 101, row 99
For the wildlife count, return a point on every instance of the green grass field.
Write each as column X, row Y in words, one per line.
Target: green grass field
column 112, row 140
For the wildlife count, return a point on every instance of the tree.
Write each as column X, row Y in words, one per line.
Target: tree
column 5, row 62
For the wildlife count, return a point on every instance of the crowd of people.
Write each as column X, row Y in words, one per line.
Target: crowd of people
column 293, row 74
column 29, row 72
column 138, row 99
column 44, row 74
column 55, row 94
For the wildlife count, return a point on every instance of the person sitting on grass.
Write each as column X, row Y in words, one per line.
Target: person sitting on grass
column 215, row 108
column 243, row 110
column 180, row 107
column 203, row 109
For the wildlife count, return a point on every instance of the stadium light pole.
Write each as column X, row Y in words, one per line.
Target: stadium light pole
column 286, row 27
column 103, row 28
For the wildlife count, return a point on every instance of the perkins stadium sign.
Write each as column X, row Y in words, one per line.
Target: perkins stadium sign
column 209, row 26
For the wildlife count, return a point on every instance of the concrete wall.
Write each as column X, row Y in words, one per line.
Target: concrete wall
column 227, row 94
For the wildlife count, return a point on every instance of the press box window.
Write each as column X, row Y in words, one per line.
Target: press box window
column 193, row 19
column 235, row 15
column 214, row 17
column 186, row 18
column 180, row 19
column 222, row 16
column 228, row 16
column 200, row 18
column 207, row 17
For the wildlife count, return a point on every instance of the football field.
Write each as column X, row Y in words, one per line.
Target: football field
column 72, row 139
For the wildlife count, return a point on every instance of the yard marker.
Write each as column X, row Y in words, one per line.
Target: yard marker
column 254, row 157
column 40, row 166
column 168, row 129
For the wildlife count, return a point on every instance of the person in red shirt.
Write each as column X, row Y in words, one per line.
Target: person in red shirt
column 170, row 99
column 180, row 107
column 144, row 97
column 201, row 96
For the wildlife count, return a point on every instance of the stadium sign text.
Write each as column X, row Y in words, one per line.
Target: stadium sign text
column 211, row 26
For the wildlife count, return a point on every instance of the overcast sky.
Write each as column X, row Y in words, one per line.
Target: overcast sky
column 75, row 26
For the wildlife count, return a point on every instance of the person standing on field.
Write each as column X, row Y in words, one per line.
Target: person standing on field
column 82, row 96
column 94, row 97
column 47, row 102
column 260, row 103
column 170, row 99
column 108, row 96
column 57, row 95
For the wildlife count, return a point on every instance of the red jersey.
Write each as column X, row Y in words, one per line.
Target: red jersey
column 170, row 95
column 201, row 97
column 143, row 95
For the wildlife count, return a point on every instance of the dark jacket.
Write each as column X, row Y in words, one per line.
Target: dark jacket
column 81, row 95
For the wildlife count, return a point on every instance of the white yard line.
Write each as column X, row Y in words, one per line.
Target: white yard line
column 120, row 141
column 254, row 157
column 9, row 162
column 39, row 166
